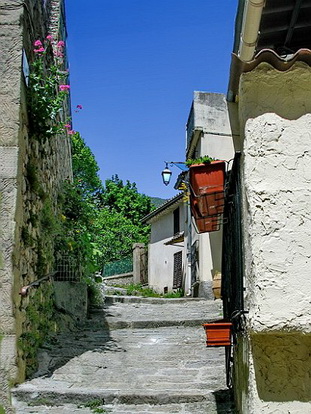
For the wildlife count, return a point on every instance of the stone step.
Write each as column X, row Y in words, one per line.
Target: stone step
column 144, row 368
column 109, row 299
column 37, row 401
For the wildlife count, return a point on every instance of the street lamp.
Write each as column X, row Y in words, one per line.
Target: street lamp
column 167, row 173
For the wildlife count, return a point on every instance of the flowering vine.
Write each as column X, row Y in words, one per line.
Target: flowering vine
column 48, row 88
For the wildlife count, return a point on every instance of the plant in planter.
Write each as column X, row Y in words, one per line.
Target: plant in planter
column 201, row 160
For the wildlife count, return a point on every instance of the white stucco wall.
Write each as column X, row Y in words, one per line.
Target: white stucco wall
column 272, row 358
column 277, row 189
column 277, row 177
column 161, row 256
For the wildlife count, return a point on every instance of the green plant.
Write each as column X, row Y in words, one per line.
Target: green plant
column 94, row 405
column 95, row 295
column 48, row 89
column 26, row 237
column 179, row 293
column 138, row 290
column 38, row 325
column 201, row 160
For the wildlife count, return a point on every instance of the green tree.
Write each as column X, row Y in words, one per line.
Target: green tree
column 80, row 202
column 125, row 199
column 119, row 220
column 85, row 169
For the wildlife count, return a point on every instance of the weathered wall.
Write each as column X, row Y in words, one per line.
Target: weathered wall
column 210, row 113
column 31, row 172
column 10, row 194
column 161, row 256
column 277, row 242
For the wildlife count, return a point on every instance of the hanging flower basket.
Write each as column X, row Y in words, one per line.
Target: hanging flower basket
column 207, row 182
column 218, row 333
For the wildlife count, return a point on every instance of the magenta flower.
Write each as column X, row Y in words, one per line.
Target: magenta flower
column 40, row 50
column 71, row 132
column 64, row 87
column 79, row 107
column 60, row 44
column 38, row 43
column 49, row 37
column 58, row 54
column 67, row 126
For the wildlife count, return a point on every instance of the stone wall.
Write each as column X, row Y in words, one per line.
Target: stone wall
column 31, row 172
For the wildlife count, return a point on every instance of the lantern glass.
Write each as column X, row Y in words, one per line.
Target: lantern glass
column 166, row 176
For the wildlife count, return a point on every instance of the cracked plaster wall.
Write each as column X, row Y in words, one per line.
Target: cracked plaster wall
column 275, row 115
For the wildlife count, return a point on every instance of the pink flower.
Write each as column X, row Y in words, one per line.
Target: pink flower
column 64, row 87
column 38, row 43
column 68, row 126
column 40, row 50
column 71, row 132
column 60, row 44
column 58, row 54
column 49, row 37
column 79, row 107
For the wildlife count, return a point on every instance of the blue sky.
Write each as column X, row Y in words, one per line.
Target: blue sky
column 134, row 65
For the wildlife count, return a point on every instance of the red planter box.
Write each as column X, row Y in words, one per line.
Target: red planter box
column 218, row 333
column 207, row 183
column 207, row 224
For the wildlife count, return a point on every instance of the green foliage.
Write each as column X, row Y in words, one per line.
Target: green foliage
column 26, row 237
column 138, row 290
column 117, row 235
column 78, row 236
column 79, row 208
column 45, row 99
column 119, row 220
column 125, row 199
column 157, row 201
column 85, row 168
column 40, row 314
column 201, row 160
column 94, row 405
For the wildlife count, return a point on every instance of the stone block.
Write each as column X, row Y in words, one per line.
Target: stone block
column 71, row 297
column 8, row 162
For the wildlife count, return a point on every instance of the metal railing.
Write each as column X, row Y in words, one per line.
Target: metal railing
column 24, row 290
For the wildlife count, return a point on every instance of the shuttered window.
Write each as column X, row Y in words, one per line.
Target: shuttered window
column 177, row 279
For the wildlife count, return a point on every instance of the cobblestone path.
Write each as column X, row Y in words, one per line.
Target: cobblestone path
column 135, row 356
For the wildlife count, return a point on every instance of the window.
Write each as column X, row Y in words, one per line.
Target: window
column 176, row 215
column 177, row 277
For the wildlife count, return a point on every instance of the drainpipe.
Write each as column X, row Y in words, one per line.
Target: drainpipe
column 250, row 28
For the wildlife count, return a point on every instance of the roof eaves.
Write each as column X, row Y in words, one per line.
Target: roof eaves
column 267, row 56
column 174, row 200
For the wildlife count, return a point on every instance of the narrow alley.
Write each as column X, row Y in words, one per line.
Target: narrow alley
column 133, row 356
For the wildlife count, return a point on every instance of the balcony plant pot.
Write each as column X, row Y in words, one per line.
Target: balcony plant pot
column 207, row 182
column 218, row 333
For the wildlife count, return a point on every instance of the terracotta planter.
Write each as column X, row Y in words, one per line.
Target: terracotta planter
column 207, row 224
column 218, row 333
column 207, row 183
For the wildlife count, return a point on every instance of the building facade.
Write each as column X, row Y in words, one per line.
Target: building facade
column 269, row 95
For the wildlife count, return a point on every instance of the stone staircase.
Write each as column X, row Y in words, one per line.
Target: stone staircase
column 137, row 355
